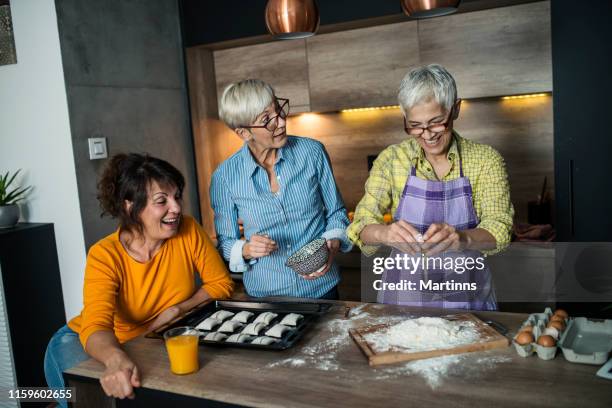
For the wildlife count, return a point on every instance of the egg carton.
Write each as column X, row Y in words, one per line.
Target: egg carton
column 538, row 323
column 587, row 341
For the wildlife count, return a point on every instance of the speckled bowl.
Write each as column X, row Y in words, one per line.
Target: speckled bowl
column 309, row 258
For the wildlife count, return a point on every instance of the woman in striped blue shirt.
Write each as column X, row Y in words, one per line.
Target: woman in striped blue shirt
column 283, row 189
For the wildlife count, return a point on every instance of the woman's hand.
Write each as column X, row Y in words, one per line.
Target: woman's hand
column 333, row 245
column 258, row 246
column 120, row 377
column 401, row 235
column 440, row 237
column 164, row 317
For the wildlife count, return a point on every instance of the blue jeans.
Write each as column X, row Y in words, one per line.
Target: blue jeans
column 63, row 352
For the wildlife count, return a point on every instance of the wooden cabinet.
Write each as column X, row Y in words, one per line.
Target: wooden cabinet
column 281, row 63
column 362, row 67
column 501, row 51
column 494, row 52
column 31, row 303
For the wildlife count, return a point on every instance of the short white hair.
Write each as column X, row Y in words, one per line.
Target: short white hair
column 243, row 101
column 424, row 83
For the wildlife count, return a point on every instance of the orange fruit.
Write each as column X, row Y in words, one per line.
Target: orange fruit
column 388, row 218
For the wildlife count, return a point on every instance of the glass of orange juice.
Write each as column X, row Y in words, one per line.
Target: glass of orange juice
column 182, row 346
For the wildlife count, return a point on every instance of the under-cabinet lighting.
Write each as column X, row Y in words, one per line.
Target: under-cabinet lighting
column 374, row 108
column 524, row 96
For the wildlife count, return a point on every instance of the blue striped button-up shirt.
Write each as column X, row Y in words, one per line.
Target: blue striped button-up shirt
column 306, row 206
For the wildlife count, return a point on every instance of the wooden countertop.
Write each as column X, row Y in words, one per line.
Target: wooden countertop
column 327, row 369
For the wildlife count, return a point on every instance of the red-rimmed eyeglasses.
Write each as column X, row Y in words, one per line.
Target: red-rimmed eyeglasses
column 282, row 111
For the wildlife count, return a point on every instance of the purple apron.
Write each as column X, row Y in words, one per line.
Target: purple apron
column 424, row 202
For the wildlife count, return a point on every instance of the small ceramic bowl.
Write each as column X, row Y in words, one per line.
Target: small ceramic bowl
column 310, row 258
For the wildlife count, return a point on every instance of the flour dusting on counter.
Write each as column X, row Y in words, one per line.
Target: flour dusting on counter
column 435, row 370
column 326, row 354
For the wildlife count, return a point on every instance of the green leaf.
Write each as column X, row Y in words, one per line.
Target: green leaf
column 3, row 181
column 10, row 197
column 16, row 195
column 6, row 186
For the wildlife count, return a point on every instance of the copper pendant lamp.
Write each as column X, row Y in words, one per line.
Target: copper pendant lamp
column 429, row 8
column 292, row 19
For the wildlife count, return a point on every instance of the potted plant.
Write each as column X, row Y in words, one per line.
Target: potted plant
column 9, row 211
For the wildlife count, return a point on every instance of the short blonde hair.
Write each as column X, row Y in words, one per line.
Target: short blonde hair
column 429, row 82
column 243, row 101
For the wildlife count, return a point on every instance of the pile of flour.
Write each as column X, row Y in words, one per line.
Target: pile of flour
column 423, row 334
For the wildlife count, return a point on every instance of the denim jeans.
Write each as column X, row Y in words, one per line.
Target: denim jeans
column 63, row 352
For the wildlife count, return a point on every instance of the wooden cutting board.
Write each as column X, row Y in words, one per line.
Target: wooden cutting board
column 491, row 339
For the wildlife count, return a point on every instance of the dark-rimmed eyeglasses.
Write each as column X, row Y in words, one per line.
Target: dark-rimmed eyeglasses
column 282, row 111
column 434, row 128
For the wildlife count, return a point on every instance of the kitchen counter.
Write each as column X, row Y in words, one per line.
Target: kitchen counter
column 326, row 368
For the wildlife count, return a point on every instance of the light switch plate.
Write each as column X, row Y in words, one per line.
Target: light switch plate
column 97, row 148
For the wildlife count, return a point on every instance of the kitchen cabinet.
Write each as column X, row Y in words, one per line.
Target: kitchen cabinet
column 494, row 52
column 582, row 61
column 501, row 51
column 31, row 303
column 362, row 67
column 282, row 64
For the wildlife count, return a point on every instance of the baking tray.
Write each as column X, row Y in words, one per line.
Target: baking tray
column 587, row 341
column 310, row 310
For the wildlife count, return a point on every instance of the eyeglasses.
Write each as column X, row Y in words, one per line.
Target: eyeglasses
column 282, row 111
column 433, row 128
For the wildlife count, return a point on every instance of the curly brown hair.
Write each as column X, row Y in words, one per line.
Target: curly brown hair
column 127, row 177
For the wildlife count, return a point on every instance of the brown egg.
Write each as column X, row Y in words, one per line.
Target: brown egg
column 561, row 312
column 557, row 325
column 557, row 318
column 524, row 338
column 547, row 341
column 527, row 328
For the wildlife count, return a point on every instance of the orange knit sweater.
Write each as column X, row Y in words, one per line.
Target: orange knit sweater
column 123, row 295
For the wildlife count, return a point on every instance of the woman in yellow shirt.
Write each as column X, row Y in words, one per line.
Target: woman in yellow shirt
column 448, row 195
column 139, row 277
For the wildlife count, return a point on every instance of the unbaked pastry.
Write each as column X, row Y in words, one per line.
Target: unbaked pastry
column 208, row 324
column 237, row 338
column 265, row 317
column 264, row 340
column 230, row 326
column 222, row 315
column 254, row 328
column 291, row 319
column 277, row 330
column 243, row 316
column 214, row 336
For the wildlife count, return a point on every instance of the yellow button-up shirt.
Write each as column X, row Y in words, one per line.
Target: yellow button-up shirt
column 482, row 165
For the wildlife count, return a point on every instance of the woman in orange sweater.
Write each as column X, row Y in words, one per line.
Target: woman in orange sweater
column 139, row 277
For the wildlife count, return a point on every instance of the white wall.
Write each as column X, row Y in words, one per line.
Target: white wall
column 35, row 136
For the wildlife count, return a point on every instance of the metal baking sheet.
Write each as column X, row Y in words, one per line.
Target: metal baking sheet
column 310, row 311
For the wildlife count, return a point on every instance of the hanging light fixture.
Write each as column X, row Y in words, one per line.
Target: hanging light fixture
column 292, row 19
column 429, row 8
